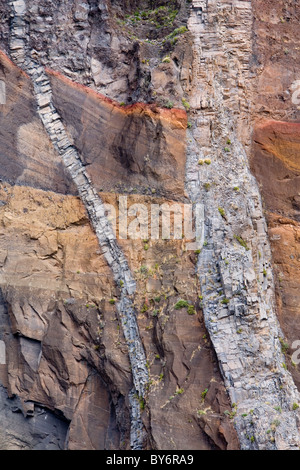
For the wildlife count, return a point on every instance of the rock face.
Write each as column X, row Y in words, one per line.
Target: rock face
column 143, row 343
column 52, row 328
column 276, row 164
column 25, row 160
column 134, row 148
column 274, row 159
column 144, row 144
column 234, row 265
column 91, row 395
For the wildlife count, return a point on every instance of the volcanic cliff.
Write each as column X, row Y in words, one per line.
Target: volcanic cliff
column 142, row 342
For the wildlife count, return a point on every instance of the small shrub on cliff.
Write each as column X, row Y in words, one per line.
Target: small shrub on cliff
column 275, row 424
column 144, row 308
column 222, row 212
column 241, row 242
column 181, row 304
column 175, row 33
column 191, row 310
column 295, row 406
column 284, row 346
column 186, row 104
column 169, row 105
column 144, row 270
column 142, row 403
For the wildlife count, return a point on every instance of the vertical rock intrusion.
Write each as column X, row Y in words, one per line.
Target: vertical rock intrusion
column 95, row 209
column 235, row 262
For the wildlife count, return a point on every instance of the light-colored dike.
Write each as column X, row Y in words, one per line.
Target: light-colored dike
column 236, row 280
column 95, row 209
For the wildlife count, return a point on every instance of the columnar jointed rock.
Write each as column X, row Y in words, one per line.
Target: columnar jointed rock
column 95, row 209
column 235, row 262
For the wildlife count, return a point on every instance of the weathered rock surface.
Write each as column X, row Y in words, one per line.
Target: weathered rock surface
column 144, row 144
column 275, row 162
column 235, row 263
column 275, row 154
column 95, row 209
column 27, row 156
column 137, row 148
column 275, row 59
column 53, row 325
column 66, row 350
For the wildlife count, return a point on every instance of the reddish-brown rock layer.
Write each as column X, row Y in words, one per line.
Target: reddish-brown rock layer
column 276, row 164
column 138, row 148
column 276, row 146
column 276, row 38
column 26, row 153
column 65, row 349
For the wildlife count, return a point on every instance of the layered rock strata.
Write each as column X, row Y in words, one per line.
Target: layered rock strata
column 81, row 313
column 215, row 70
column 94, row 206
